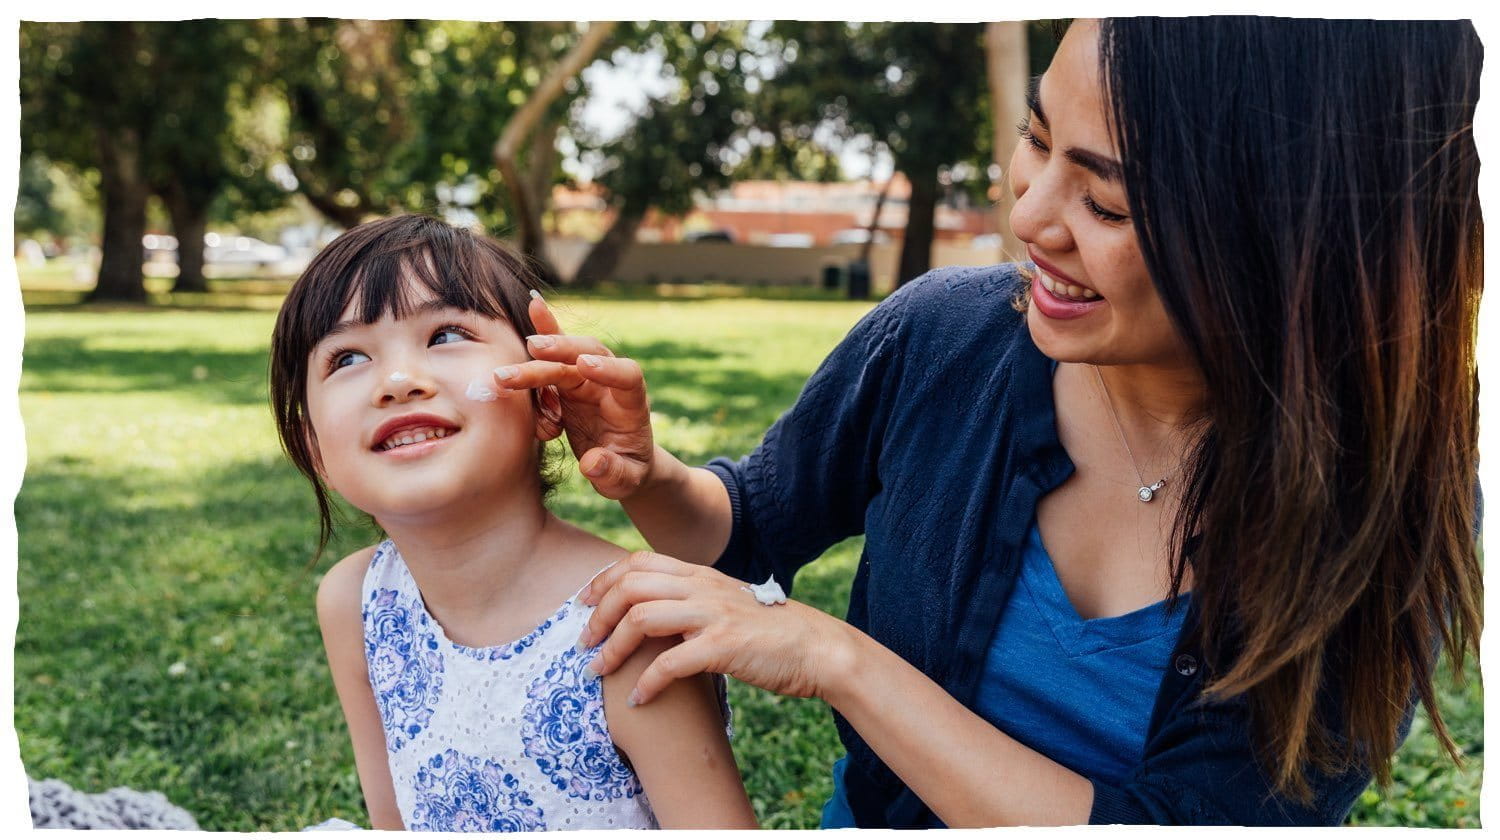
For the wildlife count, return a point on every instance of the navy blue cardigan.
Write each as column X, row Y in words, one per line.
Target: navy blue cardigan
column 930, row 429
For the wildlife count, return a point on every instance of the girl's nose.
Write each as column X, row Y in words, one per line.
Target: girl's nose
column 404, row 385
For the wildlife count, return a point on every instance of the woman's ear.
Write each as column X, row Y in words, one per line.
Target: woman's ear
column 549, row 413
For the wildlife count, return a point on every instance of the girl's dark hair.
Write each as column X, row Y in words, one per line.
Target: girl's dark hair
column 1306, row 197
column 376, row 265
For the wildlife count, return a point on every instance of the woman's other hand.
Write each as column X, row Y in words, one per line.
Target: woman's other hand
column 605, row 413
column 789, row 648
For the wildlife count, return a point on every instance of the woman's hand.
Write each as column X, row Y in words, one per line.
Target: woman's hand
column 604, row 409
column 790, row 648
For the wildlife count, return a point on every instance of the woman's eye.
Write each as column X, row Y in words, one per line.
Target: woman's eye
column 449, row 334
column 1024, row 127
column 1105, row 215
column 346, row 358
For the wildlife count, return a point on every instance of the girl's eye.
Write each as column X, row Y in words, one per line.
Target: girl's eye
column 345, row 358
column 1024, row 127
column 450, row 334
column 1105, row 215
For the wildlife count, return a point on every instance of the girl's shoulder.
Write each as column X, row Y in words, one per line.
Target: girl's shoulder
column 339, row 592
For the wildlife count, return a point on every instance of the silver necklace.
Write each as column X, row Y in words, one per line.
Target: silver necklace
column 1147, row 491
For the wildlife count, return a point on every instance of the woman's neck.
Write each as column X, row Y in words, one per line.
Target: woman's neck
column 1155, row 405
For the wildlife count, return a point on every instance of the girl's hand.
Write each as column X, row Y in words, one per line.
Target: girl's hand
column 790, row 648
column 605, row 412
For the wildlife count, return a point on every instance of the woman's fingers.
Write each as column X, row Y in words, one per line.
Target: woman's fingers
column 613, row 475
column 694, row 656
column 639, row 561
column 622, row 376
column 564, row 348
column 652, row 618
column 541, row 315
column 528, row 375
column 632, row 589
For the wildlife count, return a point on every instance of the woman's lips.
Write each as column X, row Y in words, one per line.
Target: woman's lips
column 1056, row 307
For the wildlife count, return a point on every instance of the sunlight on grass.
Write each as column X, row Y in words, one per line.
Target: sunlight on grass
column 167, row 638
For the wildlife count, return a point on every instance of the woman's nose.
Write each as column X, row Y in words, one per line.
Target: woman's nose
column 1037, row 216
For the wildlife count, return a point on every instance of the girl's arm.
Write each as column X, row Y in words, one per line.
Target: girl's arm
column 678, row 747
column 344, row 640
column 966, row 770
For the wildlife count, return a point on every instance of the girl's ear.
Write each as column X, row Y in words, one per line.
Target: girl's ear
column 549, row 413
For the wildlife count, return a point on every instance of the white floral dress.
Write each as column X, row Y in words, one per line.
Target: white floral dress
column 504, row 738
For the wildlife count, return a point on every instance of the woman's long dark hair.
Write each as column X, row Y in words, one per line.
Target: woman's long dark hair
column 1306, row 197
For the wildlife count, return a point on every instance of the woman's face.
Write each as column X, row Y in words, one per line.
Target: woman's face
column 1092, row 299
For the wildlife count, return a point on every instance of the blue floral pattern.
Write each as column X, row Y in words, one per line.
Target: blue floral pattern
column 500, row 653
column 406, row 670
column 563, row 729
column 459, row 792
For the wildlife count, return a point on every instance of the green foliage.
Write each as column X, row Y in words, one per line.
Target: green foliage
column 167, row 637
column 917, row 89
column 679, row 147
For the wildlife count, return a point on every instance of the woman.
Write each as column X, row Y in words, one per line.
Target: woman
column 1182, row 544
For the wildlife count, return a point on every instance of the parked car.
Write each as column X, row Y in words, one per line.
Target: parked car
column 708, row 236
column 859, row 236
column 240, row 250
column 791, row 240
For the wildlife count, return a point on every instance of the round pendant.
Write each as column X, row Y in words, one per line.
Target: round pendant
column 1145, row 494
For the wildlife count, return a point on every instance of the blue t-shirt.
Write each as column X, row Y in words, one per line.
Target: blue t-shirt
column 1077, row 691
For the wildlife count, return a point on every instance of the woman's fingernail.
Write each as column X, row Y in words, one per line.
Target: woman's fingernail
column 588, row 589
column 634, row 699
column 542, row 341
column 507, row 372
column 536, row 294
column 595, row 469
column 589, row 361
column 583, row 643
column 591, row 669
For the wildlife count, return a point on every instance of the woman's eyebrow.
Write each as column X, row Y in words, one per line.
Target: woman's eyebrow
column 1034, row 98
column 1104, row 167
column 1108, row 169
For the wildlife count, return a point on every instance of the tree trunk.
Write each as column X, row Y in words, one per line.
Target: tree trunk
column 916, row 245
column 523, row 124
column 874, row 228
column 189, row 223
column 1007, row 61
column 604, row 257
column 124, row 192
column 541, row 160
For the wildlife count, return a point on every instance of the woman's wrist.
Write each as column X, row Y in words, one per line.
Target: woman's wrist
column 841, row 653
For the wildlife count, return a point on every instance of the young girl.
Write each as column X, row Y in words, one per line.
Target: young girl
column 452, row 642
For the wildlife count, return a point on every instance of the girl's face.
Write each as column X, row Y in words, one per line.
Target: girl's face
column 1092, row 299
column 395, row 433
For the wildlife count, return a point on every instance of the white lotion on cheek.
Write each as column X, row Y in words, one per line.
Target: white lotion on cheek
column 768, row 593
column 480, row 391
column 398, row 376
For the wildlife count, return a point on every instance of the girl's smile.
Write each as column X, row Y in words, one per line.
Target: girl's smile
column 412, row 435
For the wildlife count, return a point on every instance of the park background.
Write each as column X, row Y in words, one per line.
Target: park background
column 719, row 200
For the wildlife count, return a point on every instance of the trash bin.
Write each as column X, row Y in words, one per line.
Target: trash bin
column 832, row 276
column 859, row 280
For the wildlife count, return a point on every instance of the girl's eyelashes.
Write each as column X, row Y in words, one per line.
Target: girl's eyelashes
column 342, row 358
column 446, row 335
column 1024, row 127
column 1100, row 212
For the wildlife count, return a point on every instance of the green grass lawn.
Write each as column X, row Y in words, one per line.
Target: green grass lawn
column 167, row 638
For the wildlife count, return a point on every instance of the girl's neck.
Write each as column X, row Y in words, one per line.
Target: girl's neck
column 467, row 564
column 1154, row 404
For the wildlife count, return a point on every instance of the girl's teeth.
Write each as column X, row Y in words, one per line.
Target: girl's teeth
column 413, row 437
